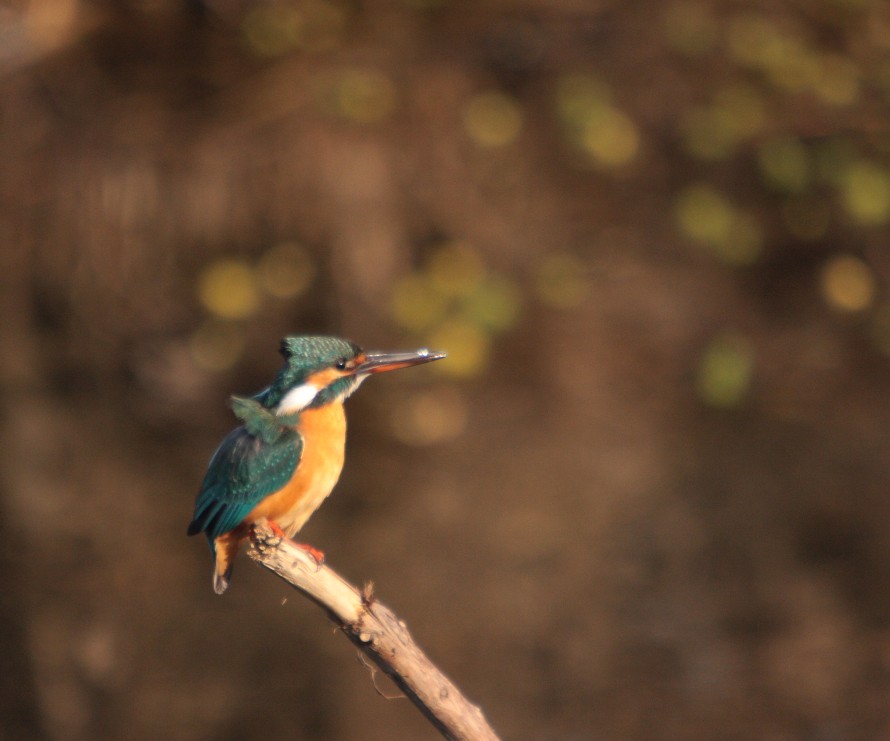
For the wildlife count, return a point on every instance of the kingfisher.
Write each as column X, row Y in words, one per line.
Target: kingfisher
column 284, row 459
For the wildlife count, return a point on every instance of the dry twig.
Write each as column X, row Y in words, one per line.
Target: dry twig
column 377, row 631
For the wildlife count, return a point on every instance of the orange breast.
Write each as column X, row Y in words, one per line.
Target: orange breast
column 324, row 439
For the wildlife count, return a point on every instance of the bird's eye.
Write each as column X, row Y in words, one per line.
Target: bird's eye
column 342, row 364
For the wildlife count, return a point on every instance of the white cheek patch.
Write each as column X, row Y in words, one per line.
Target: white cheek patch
column 297, row 399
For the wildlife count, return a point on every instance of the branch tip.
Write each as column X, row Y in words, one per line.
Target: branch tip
column 368, row 594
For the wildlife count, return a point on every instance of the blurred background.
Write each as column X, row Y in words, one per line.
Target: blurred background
column 644, row 498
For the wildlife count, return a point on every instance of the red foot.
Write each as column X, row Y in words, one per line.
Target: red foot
column 314, row 552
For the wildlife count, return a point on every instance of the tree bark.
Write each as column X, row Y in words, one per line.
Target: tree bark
column 378, row 632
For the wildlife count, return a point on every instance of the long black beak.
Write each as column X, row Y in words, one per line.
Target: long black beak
column 378, row 362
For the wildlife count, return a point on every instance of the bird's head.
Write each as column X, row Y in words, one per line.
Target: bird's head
column 320, row 370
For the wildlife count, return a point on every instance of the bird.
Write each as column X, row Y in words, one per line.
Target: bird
column 286, row 456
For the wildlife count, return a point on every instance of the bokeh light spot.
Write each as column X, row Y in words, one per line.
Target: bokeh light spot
column 271, row 30
column 713, row 132
column 455, row 269
column 706, row 216
column 785, row 165
column 847, row 283
column 430, row 417
column 580, row 98
column 495, row 304
column 467, row 345
column 492, row 119
column 228, row 289
column 724, row 371
column 365, row 96
column 561, row 281
column 611, row 138
column 286, row 270
column 865, row 192
column 415, row 305
column 593, row 125
column 216, row 345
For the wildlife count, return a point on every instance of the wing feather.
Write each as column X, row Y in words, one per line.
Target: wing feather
column 242, row 472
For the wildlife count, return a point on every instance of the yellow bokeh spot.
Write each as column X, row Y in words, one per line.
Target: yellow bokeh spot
column 611, row 138
column 455, row 269
column 580, row 98
column 785, row 164
column 797, row 68
column 286, row 270
column 216, row 345
column 605, row 134
column 492, row 119
column 365, row 96
column 415, row 305
column 467, row 345
column 495, row 304
column 561, row 281
column 704, row 214
column 430, row 417
column 271, row 30
column 865, row 192
column 712, row 132
column 709, row 218
column 759, row 42
column 847, row 283
column 228, row 289
column 724, row 372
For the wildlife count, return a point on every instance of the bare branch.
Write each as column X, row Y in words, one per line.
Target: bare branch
column 377, row 631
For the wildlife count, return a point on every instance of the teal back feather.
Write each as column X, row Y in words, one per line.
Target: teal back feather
column 244, row 470
column 260, row 457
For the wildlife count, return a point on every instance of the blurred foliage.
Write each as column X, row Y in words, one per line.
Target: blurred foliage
column 492, row 119
column 724, row 372
column 458, row 303
column 652, row 238
column 709, row 218
column 277, row 28
column 847, row 283
column 606, row 135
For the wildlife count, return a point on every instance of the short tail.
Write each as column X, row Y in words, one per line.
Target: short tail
column 224, row 551
column 221, row 581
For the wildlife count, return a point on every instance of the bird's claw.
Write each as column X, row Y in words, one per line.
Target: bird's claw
column 312, row 551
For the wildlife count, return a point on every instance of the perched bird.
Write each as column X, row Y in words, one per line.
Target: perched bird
column 286, row 456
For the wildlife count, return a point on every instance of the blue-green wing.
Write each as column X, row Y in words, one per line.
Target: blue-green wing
column 243, row 471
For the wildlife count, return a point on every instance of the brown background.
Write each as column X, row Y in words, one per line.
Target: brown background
column 648, row 500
